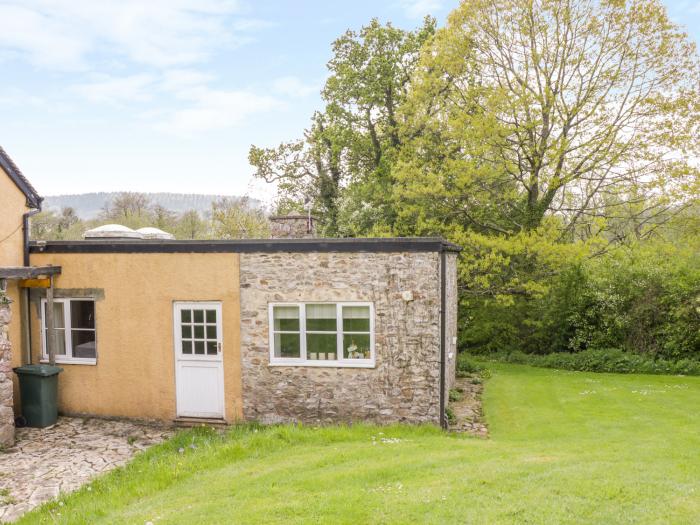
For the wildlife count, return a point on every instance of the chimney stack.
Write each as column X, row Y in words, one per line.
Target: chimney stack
column 293, row 227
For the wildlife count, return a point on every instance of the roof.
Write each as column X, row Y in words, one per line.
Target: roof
column 8, row 165
column 397, row 244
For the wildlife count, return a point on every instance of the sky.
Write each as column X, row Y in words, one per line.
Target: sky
column 168, row 95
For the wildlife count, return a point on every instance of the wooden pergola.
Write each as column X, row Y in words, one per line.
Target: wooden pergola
column 36, row 277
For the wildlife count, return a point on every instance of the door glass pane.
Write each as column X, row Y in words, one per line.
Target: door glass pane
column 186, row 316
column 211, row 332
column 199, row 331
column 199, row 347
column 286, row 318
column 58, row 320
column 60, row 335
column 84, row 344
column 321, row 317
column 356, row 318
column 211, row 316
column 198, row 316
column 356, row 346
column 321, row 346
column 211, row 348
column 287, row 345
column 186, row 331
column 82, row 314
column 187, row 347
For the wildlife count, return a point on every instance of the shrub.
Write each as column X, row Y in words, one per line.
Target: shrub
column 466, row 366
column 455, row 395
column 603, row 360
column 641, row 299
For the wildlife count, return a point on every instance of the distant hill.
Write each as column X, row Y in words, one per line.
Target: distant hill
column 88, row 205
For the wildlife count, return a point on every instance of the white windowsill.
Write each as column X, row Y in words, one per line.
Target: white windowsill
column 323, row 364
column 71, row 361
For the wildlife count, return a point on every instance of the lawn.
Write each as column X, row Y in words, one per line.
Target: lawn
column 565, row 447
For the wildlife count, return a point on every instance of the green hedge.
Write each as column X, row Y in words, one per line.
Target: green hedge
column 643, row 299
column 603, row 360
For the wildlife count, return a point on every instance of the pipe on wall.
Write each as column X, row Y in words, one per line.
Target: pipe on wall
column 25, row 318
column 443, row 320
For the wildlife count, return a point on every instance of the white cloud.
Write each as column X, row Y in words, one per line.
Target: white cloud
column 65, row 34
column 293, row 87
column 210, row 109
column 109, row 89
column 420, row 8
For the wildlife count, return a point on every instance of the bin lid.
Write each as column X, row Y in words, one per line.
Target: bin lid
column 38, row 370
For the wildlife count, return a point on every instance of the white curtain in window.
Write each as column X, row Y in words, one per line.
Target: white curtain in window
column 355, row 312
column 286, row 312
column 320, row 311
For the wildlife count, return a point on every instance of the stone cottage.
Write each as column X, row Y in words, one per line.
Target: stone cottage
column 274, row 330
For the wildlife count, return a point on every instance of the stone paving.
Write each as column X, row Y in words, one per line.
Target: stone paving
column 468, row 415
column 61, row 458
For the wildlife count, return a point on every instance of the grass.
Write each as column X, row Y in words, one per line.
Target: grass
column 565, row 447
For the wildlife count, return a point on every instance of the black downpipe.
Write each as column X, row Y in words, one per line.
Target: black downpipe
column 26, row 310
column 443, row 314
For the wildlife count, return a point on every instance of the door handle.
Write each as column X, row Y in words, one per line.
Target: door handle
column 218, row 347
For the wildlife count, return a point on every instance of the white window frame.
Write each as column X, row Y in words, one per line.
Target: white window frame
column 340, row 361
column 68, row 333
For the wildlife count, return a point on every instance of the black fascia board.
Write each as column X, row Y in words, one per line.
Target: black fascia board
column 402, row 244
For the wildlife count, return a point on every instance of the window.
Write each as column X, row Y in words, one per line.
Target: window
column 322, row 334
column 74, row 326
column 199, row 333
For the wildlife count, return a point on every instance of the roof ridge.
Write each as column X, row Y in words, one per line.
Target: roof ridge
column 9, row 166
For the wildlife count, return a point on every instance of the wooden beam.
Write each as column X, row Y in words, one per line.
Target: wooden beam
column 28, row 272
column 35, row 283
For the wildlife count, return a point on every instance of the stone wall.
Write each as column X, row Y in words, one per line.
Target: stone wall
column 451, row 320
column 292, row 227
column 7, row 425
column 404, row 384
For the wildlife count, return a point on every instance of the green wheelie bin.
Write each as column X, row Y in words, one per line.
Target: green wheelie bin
column 38, row 390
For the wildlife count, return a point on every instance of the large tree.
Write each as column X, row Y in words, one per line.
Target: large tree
column 342, row 165
column 583, row 110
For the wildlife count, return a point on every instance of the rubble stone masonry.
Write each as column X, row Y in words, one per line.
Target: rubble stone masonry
column 7, row 425
column 402, row 387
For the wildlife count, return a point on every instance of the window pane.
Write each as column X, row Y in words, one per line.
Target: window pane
column 58, row 320
column 211, row 316
column 287, row 345
column 82, row 314
column 356, row 318
column 286, row 318
column 199, row 332
column 198, row 316
column 187, row 347
column 211, row 348
column 60, row 341
column 211, row 332
column 84, row 343
column 199, row 347
column 356, row 346
column 321, row 317
column 321, row 346
column 186, row 316
column 186, row 331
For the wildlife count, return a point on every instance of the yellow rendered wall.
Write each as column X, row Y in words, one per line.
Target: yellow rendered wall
column 13, row 204
column 135, row 372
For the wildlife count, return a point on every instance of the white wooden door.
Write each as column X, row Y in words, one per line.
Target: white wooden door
column 199, row 370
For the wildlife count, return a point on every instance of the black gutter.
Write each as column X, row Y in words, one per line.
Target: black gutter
column 443, row 315
column 428, row 244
